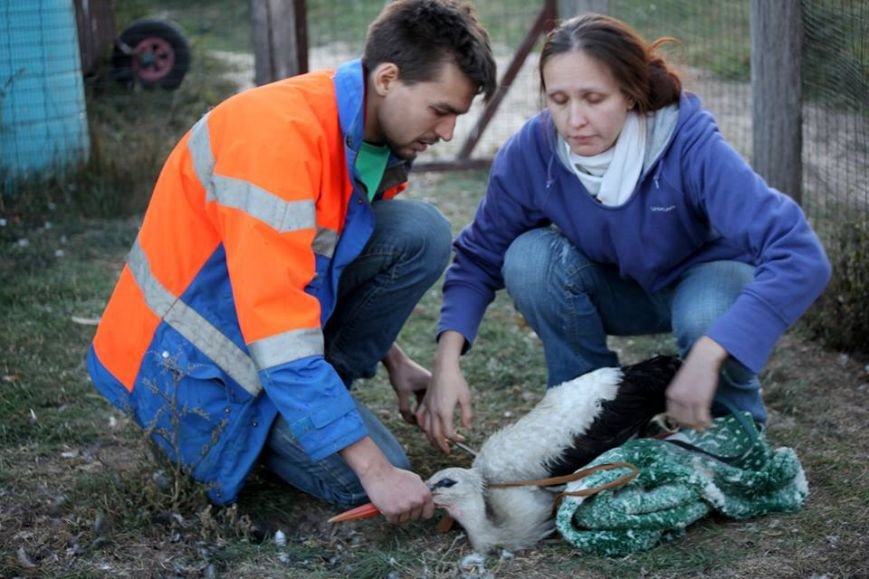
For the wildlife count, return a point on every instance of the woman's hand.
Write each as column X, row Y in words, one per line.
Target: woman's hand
column 435, row 414
column 690, row 394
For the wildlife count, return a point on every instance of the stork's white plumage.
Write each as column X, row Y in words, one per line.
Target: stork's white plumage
column 575, row 422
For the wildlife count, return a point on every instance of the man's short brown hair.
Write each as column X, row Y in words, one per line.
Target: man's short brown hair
column 419, row 36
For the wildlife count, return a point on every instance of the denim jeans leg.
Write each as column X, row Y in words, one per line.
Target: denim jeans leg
column 330, row 479
column 701, row 296
column 573, row 303
column 407, row 253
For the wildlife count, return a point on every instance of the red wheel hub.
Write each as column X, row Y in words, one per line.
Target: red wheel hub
column 153, row 58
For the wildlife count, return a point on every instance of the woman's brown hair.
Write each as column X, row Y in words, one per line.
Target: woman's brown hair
column 643, row 76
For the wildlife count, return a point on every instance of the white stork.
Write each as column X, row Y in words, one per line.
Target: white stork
column 575, row 422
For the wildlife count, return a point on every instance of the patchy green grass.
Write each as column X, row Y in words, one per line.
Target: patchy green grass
column 83, row 496
column 209, row 24
column 714, row 37
column 54, row 274
column 224, row 24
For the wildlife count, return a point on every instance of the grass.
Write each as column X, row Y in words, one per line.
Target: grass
column 78, row 481
column 209, row 24
column 714, row 38
column 215, row 24
column 81, row 492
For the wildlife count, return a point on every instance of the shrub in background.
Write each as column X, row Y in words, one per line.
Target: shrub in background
column 840, row 317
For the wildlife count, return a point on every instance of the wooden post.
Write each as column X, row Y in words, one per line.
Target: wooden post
column 776, row 95
column 570, row 8
column 543, row 24
column 276, row 39
column 96, row 32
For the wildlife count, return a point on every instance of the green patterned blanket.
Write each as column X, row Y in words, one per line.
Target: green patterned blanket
column 677, row 486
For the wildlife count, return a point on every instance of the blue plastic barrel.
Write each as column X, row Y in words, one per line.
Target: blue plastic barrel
column 43, row 121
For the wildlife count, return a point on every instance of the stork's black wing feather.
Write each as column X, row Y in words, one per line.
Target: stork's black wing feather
column 639, row 398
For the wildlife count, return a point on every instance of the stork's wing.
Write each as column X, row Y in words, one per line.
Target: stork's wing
column 640, row 397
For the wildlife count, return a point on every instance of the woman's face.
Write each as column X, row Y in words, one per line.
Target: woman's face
column 588, row 107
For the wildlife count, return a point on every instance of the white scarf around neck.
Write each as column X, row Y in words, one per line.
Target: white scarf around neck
column 612, row 176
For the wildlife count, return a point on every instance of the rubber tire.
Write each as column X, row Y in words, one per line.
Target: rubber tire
column 165, row 30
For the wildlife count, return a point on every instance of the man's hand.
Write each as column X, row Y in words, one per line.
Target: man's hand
column 690, row 394
column 399, row 495
column 448, row 388
column 408, row 379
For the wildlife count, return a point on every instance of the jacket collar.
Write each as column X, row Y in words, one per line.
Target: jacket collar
column 350, row 94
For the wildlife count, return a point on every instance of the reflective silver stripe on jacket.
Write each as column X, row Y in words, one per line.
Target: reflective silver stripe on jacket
column 200, row 152
column 280, row 214
column 190, row 324
column 291, row 345
column 325, row 242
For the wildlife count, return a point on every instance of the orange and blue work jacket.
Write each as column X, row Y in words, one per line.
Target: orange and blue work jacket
column 216, row 323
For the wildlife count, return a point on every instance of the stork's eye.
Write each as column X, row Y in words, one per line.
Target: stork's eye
column 444, row 483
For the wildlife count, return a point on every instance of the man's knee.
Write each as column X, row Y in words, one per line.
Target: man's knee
column 437, row 237
column 344, row 496
column 419, row 230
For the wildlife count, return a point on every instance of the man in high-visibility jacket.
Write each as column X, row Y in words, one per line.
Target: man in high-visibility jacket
column 273, row 268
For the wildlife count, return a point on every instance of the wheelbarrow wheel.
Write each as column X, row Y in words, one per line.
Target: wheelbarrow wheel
column 151, row 52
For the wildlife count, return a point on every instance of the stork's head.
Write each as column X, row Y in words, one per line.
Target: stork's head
column 460, row 492
column 455, row 488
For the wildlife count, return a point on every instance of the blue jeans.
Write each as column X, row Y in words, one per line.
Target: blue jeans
column 573, row 303
column 407, row 253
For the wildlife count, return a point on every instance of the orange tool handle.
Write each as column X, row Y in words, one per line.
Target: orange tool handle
column 365, row 511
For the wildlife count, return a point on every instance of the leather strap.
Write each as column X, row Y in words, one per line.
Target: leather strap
column 558, row 480
column 746, row 425
column 580, row 474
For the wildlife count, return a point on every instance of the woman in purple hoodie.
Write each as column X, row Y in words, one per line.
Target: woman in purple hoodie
column 621, row 210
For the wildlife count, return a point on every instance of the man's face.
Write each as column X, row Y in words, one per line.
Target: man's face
column 412, row 117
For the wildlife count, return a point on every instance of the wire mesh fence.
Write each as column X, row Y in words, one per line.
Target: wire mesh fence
column 835, row 113
column 42, row 109
column 336, row 32
column 712, row 53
